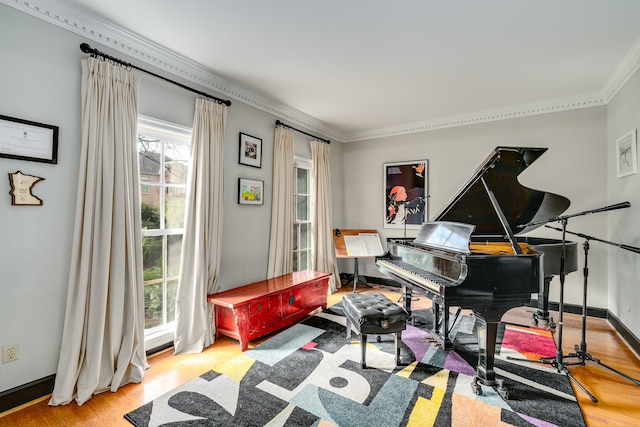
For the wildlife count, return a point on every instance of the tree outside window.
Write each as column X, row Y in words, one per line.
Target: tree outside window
column 163, row 154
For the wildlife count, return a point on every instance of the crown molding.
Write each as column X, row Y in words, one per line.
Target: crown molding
column 120, row 40
column 485, row 116
column 623, row 72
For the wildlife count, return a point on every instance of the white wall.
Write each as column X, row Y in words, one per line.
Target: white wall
column 623, row 115
column 40, row 81
column 575, row 166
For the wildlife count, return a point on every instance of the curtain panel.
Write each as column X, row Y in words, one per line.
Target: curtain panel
column 281, row 236
column 103, row 335
column 324, row 250
column 202, row 240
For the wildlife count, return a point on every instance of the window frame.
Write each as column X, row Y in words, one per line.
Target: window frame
column 167, row 132
column 307, row 164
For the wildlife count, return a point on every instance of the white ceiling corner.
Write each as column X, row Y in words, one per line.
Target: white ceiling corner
column 623, row 72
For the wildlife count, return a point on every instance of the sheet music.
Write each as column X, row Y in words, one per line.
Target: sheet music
column 364, row 244
column 371, row 243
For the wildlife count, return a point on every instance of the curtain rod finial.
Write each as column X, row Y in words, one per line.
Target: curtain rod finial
column 85, row 48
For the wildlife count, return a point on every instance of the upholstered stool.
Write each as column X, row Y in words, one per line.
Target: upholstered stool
column 374, row 314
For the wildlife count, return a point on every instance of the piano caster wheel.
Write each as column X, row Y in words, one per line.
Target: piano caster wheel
column 379, row 339
column 475, row 387
column 547, row 322
column 503, row 393
column 502, row 390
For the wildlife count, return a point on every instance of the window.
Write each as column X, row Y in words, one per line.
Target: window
column 302, row 232
column 163, row 155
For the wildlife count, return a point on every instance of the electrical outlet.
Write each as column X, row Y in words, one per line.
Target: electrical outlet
column 9, row 353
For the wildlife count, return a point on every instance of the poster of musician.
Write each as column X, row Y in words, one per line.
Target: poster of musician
column 405, row 189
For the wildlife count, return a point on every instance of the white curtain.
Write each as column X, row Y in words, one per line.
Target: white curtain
column 281, row 238
column 103, row 336
column 202, row 240
column 324, row 251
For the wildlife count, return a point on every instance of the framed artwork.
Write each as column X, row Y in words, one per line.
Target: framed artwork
column 250, row 150
column 626, row 154
column 25, row 140
column 21, row 186
column 405, row 194
column 250, row 191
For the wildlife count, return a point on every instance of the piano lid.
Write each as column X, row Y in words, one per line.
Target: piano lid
column 513, row 204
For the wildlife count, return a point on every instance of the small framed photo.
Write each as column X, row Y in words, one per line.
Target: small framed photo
column 626, row 154
column 25, row 140
column 250, row 191
column 250, row 150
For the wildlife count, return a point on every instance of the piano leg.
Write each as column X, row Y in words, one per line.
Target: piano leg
column 441, row 324
column 439, row 329
column 407, row 293
column 542, row 315
column 485, row 375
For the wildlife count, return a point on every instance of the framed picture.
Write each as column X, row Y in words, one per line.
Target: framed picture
column 405, row 194
column 21, row 186
column 25, row 140
column 626, row 154
column 250, row 191
column 250, row 150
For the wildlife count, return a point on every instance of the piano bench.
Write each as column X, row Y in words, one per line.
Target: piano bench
column 374, row 314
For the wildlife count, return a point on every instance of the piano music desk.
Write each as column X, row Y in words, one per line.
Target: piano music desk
column 257, row 309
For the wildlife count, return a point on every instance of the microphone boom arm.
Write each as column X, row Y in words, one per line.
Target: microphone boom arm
column 586, row 237
column 565, row 217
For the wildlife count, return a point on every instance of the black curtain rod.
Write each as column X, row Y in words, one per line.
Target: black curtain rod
column 95, row 52
column 279, row 123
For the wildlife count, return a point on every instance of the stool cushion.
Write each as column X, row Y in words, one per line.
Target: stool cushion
column 374, row 313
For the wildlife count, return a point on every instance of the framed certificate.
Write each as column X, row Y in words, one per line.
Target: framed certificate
column 25, row 140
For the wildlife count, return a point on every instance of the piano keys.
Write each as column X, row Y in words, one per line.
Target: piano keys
column 469, row 255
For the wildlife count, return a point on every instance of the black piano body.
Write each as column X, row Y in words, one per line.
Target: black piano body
column 469, row 255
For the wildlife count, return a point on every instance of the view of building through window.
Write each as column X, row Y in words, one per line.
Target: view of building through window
column 163, row 154
column 302, row 245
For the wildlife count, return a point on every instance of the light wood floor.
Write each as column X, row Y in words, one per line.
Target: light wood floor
column 619, row 399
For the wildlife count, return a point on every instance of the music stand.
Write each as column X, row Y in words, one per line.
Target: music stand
column 558, row 361
column 581, row 349
column 362, row 240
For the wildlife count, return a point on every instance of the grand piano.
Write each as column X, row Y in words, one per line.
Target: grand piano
column 469, row 256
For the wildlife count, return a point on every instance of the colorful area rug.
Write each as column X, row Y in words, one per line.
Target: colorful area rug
column 309, row 375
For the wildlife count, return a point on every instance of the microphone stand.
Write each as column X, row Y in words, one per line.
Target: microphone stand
column 581, row 350
column 558, row 361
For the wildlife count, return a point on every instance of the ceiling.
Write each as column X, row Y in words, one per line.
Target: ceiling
column 363, row 67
